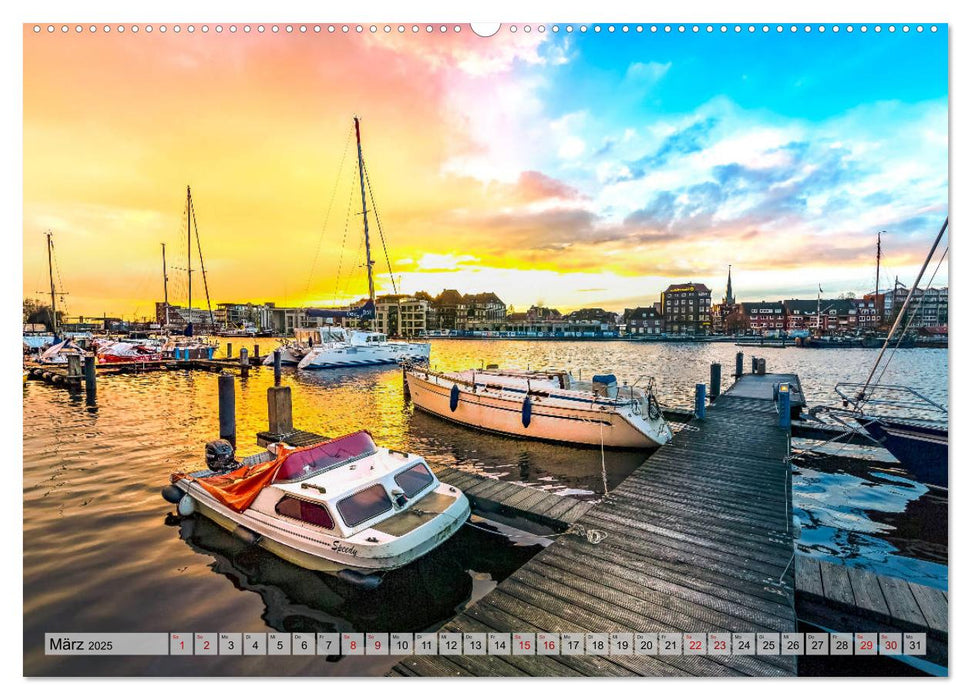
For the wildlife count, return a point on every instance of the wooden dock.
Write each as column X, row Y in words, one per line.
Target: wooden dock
column 527, row 508
column 697, row 539
column 848, row 599
column 60, row 375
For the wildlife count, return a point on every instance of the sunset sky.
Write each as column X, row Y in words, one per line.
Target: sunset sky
column 575, row 169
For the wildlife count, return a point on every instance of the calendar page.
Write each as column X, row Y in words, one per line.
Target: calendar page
column 518, row 349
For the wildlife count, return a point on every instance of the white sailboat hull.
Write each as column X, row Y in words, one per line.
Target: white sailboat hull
column 349, row 355
column 565, row 420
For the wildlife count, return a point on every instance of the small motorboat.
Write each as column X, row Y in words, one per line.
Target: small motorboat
column 345, row 506
column 548, row 405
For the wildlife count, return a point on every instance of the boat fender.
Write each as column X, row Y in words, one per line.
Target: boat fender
column 366, row 582
column 246, row 536
column 172, row 493
column 527, row 412
column 453, row 398
column 187, row 506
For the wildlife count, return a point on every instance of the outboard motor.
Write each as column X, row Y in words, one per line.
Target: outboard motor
column 605, row 385
column 220, row 456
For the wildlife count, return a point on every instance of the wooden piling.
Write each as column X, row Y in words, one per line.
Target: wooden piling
column 73, row 366
column 279, row 410
column 277, row 367
column 755, row 365
column 229, row 350
column 715, row 380
column 700, row 401
column 90, row 379
column 256, row 351
column 244, row 362
column 739, row 358
column 227, row 407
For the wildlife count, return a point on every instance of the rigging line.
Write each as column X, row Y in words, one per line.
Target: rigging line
column 377, row 218
column 913, row 315
column 333, row 195
column 340, row 259
column 930, row 255
column 202, row 265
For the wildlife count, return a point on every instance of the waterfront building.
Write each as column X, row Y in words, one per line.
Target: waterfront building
column 400, row 315
column 643, row 320
column 284, row 319
column 836, row 316
column 765, row 316
column 450, row 310
column 238, row 315
column 484, row 308
column 686, row 308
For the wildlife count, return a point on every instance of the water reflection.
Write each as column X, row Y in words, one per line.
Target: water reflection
column 871, row 515
column 418, row 597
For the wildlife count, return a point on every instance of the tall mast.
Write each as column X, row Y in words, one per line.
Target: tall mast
column 188, row 228
column 165, row 285
column 367, row 239
column 876, row 291
column 50, row 272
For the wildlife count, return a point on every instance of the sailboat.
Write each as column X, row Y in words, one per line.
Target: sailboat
column 912, row 427
column 189, row 346
column 363, row 347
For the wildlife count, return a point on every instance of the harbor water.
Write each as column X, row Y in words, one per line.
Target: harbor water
column 102, row 552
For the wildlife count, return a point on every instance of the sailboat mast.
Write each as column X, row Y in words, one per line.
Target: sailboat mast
column 165, row 285
column 50, row 272
column 876, row 290
column 188, row 228
column 367, row 238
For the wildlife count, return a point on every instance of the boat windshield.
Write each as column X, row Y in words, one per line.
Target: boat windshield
column 305, row 463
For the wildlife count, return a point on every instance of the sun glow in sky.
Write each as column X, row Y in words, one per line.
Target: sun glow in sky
column 574, row 169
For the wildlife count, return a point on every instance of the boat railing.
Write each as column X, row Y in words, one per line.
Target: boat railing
column 889, row 401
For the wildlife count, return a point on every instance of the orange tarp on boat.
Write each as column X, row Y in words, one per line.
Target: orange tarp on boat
column 239, row 488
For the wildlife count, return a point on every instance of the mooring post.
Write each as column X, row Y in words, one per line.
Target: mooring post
column 700, row 401
column 755, row 365
column 90, row 380
column 739, row 359
column 279, row 406
column 73, row 365
column 227, row 407
column 761, row 366
column 785, row 418
column 715, row 380
column 277, row 367
column 256, row 352
column 244, row 362
column 229, row 350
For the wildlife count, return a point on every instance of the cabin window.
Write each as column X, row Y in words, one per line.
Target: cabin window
column 312, row 513
column 414, row 480
column 364, row 505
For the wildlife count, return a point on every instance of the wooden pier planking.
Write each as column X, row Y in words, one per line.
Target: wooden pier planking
column 849, row 599
column 649, row 559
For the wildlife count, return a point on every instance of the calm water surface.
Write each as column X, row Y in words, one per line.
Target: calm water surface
column 101, row 552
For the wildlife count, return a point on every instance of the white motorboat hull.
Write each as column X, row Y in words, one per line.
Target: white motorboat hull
column 288, row 356
column 550, row 419
column 346, row 355
column 330, row 554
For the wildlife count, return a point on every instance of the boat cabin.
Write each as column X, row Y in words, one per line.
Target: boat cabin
column 367, row 338
column 345, row 485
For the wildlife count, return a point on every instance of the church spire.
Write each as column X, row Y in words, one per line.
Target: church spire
column 729, row 296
